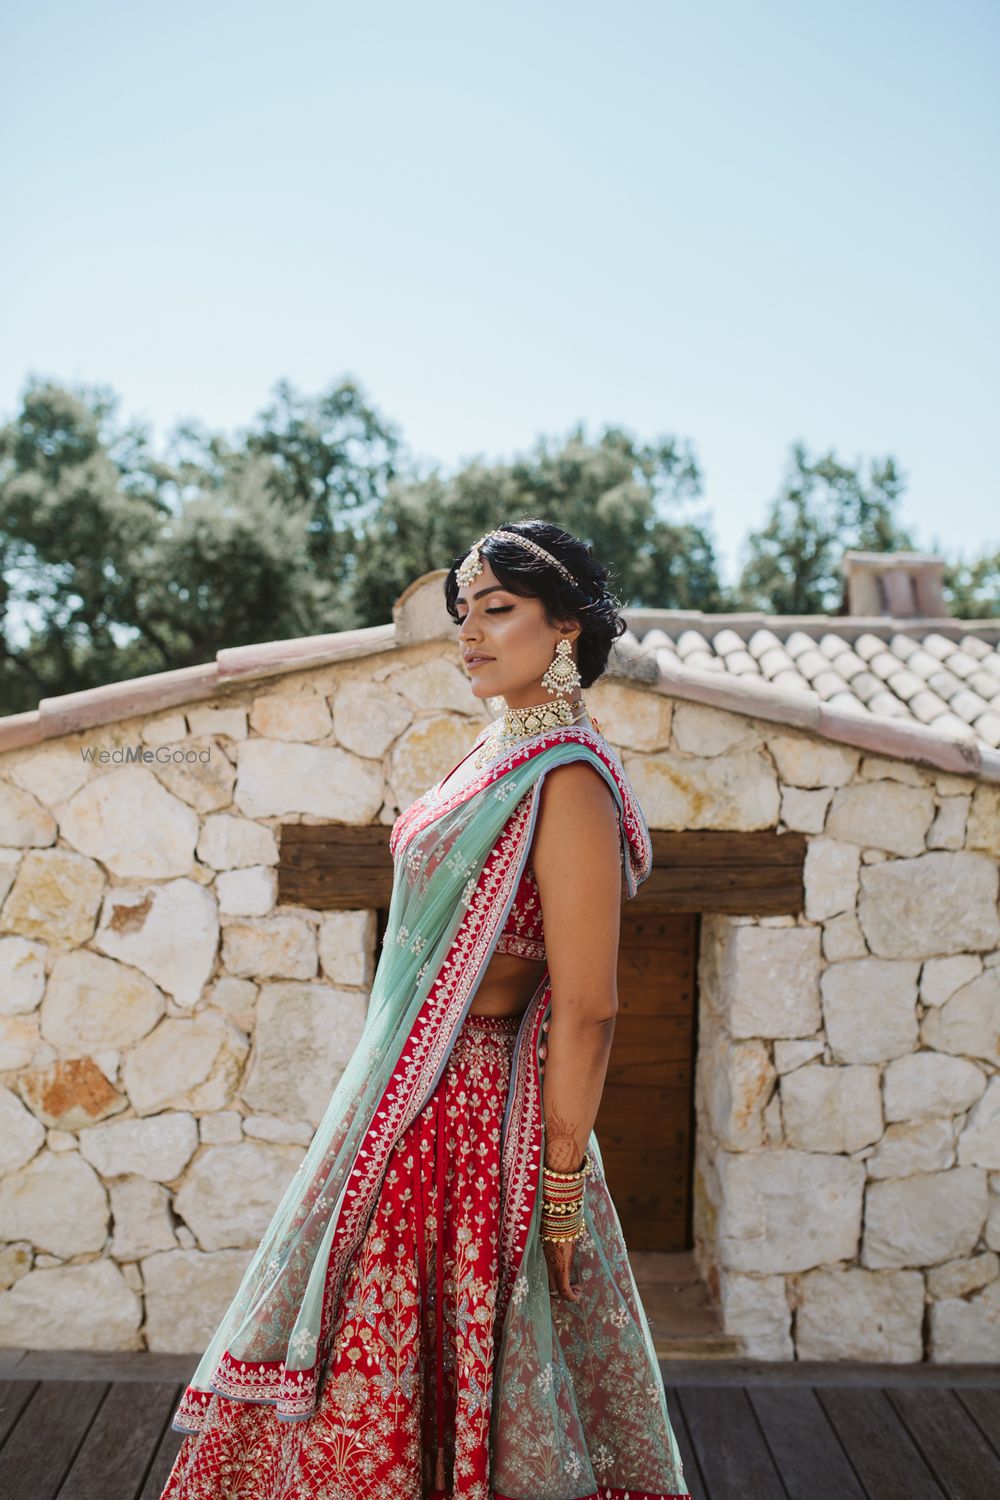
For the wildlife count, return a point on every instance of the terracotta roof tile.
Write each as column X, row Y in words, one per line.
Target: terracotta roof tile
column 940, row 674
column 927, row 691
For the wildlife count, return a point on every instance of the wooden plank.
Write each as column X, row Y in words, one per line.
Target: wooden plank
column 745, row 890
column 830, row 1372
column 657, row 1223
column 333, row 866
column 371, row 836
column 881, row 1450
column 669, row 933
column 660, row 1167
column 644, row 1123
column 105, row 1364
column 693, row 847
column 646, row 1205
column 983, row 1407
column 36, row 1456
column 803, row 1444
column 657, row 1053
column 657, row 1116
column 708, row 847
column 116, row 1451
column 692, row 1473
column 644, row 992
column 755, row 874
column 732, row 1454
column 953, row 1448
column 166, row 1453
column 657, row 967
column 14, row 1397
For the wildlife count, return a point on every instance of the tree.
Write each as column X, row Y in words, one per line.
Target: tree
column 973, row 587
column 332, row 455
column 116, row 563
column 794, row 563
column 615, row 492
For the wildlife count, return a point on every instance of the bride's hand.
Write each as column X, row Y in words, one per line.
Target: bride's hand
column 558, row 1257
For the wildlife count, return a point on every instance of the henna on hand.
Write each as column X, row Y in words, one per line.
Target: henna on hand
column 562, row 1153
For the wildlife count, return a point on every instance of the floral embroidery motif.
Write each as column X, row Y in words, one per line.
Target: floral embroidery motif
column 304, row 1345
column 593, row 1377
column 371, row 1434
column 459, row 865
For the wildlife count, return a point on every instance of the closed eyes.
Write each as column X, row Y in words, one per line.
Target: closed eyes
column 498, row 609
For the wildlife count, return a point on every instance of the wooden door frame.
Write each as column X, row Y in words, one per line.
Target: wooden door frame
column 344, row 867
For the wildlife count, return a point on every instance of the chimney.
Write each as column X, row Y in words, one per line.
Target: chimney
column 902, row 585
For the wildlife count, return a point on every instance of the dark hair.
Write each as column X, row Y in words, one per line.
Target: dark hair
column 588, row 600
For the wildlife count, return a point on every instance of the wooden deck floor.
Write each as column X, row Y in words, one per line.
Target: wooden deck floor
column 77, row 1426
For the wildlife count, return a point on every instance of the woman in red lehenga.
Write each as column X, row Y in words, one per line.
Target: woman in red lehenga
column 442, row 1307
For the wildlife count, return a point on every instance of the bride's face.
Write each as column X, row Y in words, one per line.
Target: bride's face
column 513, row 633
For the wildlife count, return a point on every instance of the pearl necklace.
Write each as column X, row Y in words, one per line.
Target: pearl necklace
column 519, row 723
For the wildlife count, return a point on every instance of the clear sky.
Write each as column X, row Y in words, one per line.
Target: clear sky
column 740, row 224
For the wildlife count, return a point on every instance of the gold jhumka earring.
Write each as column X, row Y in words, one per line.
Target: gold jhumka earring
column 561, row 675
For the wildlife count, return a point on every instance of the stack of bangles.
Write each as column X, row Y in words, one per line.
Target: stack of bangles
column 562, row 1203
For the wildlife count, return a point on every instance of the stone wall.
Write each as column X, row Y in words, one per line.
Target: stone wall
column 169, row 1038
column 847, row 1197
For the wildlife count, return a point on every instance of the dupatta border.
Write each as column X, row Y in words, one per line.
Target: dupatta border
column 606, row 1493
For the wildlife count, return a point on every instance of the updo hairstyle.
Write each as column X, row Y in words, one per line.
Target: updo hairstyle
column 522, row 572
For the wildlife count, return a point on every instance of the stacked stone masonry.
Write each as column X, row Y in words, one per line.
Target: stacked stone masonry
column 170, row 1037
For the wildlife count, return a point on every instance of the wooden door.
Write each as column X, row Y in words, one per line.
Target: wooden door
column 645, row 1123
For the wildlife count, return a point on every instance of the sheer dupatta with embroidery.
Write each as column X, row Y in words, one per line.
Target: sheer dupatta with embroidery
column 578, row 1408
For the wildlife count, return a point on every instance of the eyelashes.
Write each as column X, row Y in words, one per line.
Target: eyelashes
column 498, row 609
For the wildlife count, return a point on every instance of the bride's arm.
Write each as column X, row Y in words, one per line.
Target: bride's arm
column 577, row 864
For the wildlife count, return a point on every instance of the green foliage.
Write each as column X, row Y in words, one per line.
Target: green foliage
column 116, row 562
column 972, row 587
column 793, row 564
column 614, row 492
column 332, row 454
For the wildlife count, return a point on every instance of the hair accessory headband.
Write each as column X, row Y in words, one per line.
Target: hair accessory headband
column 473, row 564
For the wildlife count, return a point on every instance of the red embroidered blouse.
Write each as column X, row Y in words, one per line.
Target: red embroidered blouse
column 522, row 932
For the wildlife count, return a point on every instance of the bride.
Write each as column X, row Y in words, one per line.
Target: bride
column 442, row 1307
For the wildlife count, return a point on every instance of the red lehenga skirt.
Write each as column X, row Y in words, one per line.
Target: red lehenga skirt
column 403, row 1412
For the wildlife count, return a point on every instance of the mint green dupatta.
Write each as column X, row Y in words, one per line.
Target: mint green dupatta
column 457, row 863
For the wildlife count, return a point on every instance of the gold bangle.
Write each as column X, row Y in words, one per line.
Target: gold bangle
column 556, row 1239
column 568, row 1176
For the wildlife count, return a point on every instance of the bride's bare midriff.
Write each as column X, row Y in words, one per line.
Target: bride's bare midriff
column 507, row 986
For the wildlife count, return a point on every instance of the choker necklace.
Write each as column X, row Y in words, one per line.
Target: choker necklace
column 518, row 723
